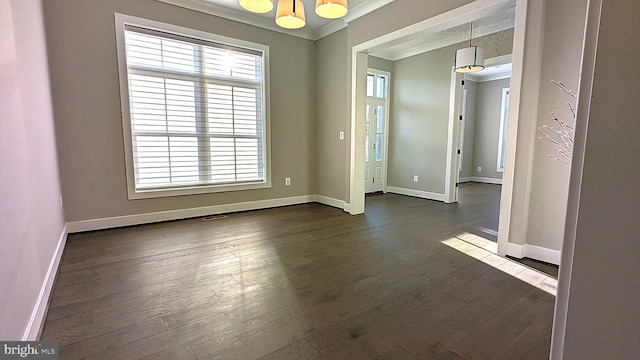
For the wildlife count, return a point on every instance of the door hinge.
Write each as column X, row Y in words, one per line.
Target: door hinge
column 460, row 118
column 462, row 82
column 457, row 184
column 458, row 151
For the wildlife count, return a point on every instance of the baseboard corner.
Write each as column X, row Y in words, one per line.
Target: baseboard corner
column 33, row 331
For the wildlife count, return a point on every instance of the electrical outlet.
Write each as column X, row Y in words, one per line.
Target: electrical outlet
column 479, row 168
column 341, row 135
column 287, row 181
column 415, row 178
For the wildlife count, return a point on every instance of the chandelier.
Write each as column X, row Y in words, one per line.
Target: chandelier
column 471, row 58
column 290, row 13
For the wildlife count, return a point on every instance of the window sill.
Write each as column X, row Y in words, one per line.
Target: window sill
column 195, row 190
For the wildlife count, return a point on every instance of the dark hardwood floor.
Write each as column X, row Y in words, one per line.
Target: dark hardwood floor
column 404, row 281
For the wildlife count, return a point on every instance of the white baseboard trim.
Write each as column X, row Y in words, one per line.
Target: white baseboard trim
column 325, row 200
column 534, row 252
column 515, row 250
column 417, row 193
column 36, row 321
column 543, row 254
column 137, row 219
column 485, row 180
column 347, row 207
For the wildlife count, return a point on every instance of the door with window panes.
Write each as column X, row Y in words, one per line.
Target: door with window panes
column 376, row 122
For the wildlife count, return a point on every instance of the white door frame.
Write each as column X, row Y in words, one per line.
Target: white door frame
column 452, row 172
column 385, row 140
column 461, row 15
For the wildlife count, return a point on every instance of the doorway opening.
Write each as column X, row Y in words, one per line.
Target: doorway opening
column 457, row 17
column 376, row 125
column 483, row 123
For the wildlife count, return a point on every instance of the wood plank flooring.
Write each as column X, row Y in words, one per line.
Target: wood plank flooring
column 303, row 282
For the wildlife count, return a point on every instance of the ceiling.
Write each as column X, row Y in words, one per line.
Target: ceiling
column 316, row 27
column 453, row 31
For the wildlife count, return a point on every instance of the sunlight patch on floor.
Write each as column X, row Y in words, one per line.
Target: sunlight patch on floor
column 485, row 250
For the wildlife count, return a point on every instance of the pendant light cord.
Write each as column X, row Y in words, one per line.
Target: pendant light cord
column 470, row 32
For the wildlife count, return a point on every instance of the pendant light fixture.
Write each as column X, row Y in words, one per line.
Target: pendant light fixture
column 332, row 9
column 469, row 59
column 257, row 6
column 290, row 13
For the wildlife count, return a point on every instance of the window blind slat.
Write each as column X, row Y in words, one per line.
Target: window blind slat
column 205, row 128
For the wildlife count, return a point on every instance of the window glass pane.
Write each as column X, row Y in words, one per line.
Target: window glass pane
column 220, row 109
column 247, row 159
column 217, row 62
column 381, row 86
column 503, row 129
column 181, row 106
column 223, row 164
column 367, row 127
column 148, row 111
column 196, row 110
column 178, row 55
column 379, row 147
column 370, row 80
column 243, row 66
column 152, row 160
column 380, row 119
column 184, row 160
column 143, row 50
column 245, row 110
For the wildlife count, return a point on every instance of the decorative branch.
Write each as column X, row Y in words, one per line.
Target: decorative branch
column 561, row 133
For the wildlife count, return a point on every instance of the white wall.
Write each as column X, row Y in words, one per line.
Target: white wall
column 597, row 313
column 31, row 217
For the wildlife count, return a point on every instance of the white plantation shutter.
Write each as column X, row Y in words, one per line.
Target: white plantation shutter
column 196, row 111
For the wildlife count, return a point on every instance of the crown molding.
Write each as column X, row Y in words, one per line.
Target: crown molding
column 261, row 22
column 230, row 14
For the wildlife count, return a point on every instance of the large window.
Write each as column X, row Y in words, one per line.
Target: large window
column 194, row 110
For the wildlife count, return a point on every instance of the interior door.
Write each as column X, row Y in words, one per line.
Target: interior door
column 376, row 123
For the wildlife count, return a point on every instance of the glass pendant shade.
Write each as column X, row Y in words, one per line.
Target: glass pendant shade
column 257, row 6
column 470, row 59
column 331, row 9
column 288, row 16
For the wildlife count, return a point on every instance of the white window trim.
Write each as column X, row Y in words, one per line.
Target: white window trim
column 503, row 123
column 121, row 20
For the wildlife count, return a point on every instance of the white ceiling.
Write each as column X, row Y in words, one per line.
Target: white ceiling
column 453, row 31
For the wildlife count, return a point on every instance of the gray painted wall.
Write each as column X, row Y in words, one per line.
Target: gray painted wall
column 468, row 147
column 599, row 284
column 332, row 111
column 380, row 64
column 564, row 31
column 419, row 120
column 87, row 106
column 420, row 115
column 31, row 217
column 487, row 128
